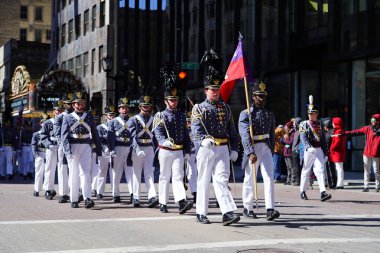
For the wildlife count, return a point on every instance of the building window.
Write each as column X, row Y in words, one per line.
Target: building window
column 86, row 22
column 38, row 35
column 85, row 64
column 70, row 65
column 77, row 25
column 93, row 61
column 23, row 12
column 100, row 59
column 23, row 34
column 63, row 35
column 48, row 34
column 102, row 14
column 78, row 62
column 71, row 31
column 93, row 24
column 38, row 14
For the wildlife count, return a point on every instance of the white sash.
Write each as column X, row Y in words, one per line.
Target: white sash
column 80, row 121
column 104, row 126
column 145, row 127
column 123, row 124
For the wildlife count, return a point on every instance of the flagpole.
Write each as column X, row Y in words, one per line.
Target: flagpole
column 251, row 135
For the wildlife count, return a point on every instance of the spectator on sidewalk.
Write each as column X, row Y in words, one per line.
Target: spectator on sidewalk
column 287, row 141
column 277, row 156
column 371, row 154
column 337, row 154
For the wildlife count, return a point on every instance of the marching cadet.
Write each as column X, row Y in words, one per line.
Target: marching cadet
column 63, row 177
column 38, row 151
column 26, row 161
column 259, row 153
column 213, row 128
column 174, row 147
column 313, row 140
column 94, row 158
column 78, row 133
column 8, row 141
column 119, row 142
column 140, row 127
column 191, row 167
column 49, row 141
column 104, row 161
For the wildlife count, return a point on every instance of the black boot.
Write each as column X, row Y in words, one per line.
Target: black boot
column 325, row 196
column 117, row 199
column 202, row 219
column 136, row 203
column 131, row 199
column 99, row 196
column 64, row 199
column 249, row 214
column 304, row 196
column 163, row 208
column 272, row 214
column 48, row 195
column 152, row 202
column 36, row 194
column 229, row 218
column 88, row 203
column 184, row 206
column 74, row 205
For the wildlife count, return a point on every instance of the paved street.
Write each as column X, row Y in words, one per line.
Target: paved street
column 349, row 222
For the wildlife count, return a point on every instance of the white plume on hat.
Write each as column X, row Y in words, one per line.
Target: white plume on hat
column 311, row 99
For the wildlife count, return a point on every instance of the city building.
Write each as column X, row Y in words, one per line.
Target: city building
column 26, row 20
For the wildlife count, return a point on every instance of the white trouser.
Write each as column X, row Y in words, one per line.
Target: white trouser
column 8, row 159
column 63, row 175
column 313, row 160
column 128, row 172
column 50, row 167
column 171, row 164
column 367, row 170
column 118, row 167
column 80, row 171
column 94, row 171
column 39, row 165
column 214, row 162
column 139, row 163
column 104, row 164
column 26, row 160
column 265, row 162
column 339, row 174
column 192, row 174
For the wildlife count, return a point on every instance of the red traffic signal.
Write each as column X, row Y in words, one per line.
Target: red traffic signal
column 182, row 75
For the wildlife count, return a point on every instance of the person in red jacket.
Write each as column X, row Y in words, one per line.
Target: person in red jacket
column 338, row 151
column 371, row 152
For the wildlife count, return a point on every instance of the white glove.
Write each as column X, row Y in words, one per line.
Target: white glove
column 167, row 144
column 141, row 153
column 311, row 150
column 187, row 157
column 234, row 156
column 69, row 157
column 207, row 142
column 113, row 154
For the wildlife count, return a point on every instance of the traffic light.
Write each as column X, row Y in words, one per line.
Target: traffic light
column 182, row 75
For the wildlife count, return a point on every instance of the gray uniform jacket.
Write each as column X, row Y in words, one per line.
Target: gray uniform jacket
column 312, row 134
column 118, row 133
column 47, row 133
column 140, row 128
column 36, row 144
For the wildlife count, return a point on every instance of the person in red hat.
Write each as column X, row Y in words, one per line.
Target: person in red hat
column 371, row 152
column 338, row 151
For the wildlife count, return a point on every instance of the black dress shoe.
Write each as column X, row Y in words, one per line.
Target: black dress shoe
column 152, row 202
column 366, row 189
column 53, row 193
column 249, row 214
column 36, row 194
column 136, row 203
column 64, row 199
column 184, row 206
column 202, row 219
column 229, row 218
column 74, row 205
column 117, row 199
column 304, row 196
column 88, row 203
column 99, row 196
column 339, row 187
column 80, row 199
column 95, row 193
column 272, row 214
column 131, row 199
column 325, row 196
column 194, row 197
column 163, row 208
column 48, row 195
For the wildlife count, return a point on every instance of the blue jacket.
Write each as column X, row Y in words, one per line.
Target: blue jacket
column 47, row 133
column 312, row 136
column 118, row 133
column 36, row 144
column 140, row 128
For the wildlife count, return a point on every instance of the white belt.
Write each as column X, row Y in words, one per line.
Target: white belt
column 144, row 141
column 260, row 137
column 122, row 139
column 53, row 139
column 80, row 136
column 41, row 149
